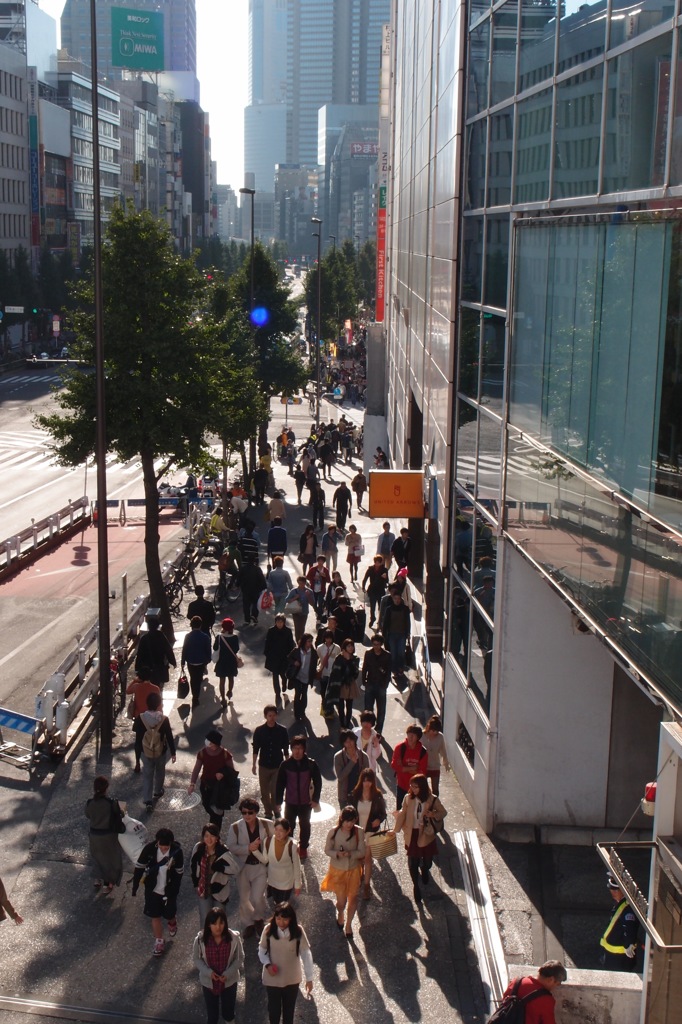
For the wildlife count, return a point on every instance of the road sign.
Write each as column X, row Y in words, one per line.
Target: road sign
column 291, row 401
column 56, row 326
column 14, row 309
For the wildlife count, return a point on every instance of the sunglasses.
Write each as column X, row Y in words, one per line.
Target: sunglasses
column 248, row 812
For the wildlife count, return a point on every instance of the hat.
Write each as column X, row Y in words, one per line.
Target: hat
column 612, row 883
column 401, row 574
column 213, row 736
column 228, row 623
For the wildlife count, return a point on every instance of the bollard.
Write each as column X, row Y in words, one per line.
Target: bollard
column 8, row 552
column 34, row 530
column 81, row 664
column 70, row 513
column 16, row 541
column 50, row 526
column 57, row 683
column 62, row 721
column 48, row 710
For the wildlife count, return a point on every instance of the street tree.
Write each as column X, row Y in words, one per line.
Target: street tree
column 338, row 293
column 161, row 360
column 279, row 368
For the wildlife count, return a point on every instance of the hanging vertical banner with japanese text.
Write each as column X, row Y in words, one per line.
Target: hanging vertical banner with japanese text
column 382, row 177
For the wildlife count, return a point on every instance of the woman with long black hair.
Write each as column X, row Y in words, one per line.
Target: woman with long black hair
column 283, row 948
column 371, row 808
column 345, row 848
column 218, row 955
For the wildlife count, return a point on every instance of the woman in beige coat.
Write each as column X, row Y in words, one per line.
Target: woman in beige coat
column 419, row 819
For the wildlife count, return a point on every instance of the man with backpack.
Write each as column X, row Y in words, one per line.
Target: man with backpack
column 157, row 740
column 245, row 837
column 530, row 1000
column 161, row 862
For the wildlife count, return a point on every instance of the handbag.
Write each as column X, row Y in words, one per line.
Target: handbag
column 116, row 819
column 183, row 687
column 295, row 607
column 382, row 844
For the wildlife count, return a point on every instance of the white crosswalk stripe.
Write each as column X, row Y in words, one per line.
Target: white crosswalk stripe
column 29, row 451
column 50, row 378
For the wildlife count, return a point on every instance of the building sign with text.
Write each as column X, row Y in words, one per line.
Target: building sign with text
column 137, row 40
column 396, row 493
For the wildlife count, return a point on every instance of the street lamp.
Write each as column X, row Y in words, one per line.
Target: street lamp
column 318, row 235
column 333, row 238
column 103, row 639
column 250, row 192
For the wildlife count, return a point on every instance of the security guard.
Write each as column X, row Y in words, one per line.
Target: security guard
column 619, row 941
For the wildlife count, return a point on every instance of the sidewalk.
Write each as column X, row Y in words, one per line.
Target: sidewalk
column 94, row 952
column 405, row 963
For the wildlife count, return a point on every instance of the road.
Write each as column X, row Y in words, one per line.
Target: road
column 42, row 611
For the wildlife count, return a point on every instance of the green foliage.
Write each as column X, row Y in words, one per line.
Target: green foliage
column 279, row 369
column 338, row 292
column 367, row 274
column 173, row 371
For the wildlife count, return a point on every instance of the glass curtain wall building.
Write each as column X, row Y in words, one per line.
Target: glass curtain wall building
column 534, row 329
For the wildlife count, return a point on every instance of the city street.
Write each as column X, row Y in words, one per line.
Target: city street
column 404, row 964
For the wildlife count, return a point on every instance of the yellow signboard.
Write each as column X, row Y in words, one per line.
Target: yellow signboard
column 396, row 493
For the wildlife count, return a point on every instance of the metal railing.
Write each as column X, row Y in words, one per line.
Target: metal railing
column 41, row 532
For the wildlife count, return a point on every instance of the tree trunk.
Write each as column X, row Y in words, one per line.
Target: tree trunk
column 158, row 598
column 245, row 468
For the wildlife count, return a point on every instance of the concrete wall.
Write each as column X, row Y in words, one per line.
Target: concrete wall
column 594, row 997
column 554, row 694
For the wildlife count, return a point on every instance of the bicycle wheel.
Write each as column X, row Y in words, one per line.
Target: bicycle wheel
column 174, row 592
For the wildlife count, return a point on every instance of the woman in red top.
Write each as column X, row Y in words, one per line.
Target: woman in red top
column 211, row 761
column 409, row 758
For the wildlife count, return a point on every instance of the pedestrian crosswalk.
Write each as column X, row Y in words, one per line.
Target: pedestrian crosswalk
column 29, row 451
column 17, row 382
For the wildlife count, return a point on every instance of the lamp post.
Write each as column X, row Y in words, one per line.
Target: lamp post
column 106, row 720
column 333, row 238
column 250, row 192
column 252, row 443
column 318, row 234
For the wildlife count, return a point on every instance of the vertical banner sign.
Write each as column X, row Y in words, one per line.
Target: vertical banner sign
column 381, row 257
column 382, row 177
column 137, row 40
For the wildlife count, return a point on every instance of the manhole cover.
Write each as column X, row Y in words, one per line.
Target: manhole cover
column 180, row 800
column 325, row 812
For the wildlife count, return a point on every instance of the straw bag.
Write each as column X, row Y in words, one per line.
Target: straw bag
column 382, row 844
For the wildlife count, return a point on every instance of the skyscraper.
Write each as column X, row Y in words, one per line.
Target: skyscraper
column 180, row 32
column 305, row 54
column 333, row 56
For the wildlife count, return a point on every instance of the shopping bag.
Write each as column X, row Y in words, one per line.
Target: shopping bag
column 133, row 839
column 183, row 687
column 382, row 844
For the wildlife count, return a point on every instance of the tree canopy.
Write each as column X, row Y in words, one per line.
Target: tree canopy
column 174, row 370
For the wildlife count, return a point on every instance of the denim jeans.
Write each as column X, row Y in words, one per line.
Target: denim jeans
column 396, row 644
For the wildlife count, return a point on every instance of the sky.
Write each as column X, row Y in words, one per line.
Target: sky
column 222, row 69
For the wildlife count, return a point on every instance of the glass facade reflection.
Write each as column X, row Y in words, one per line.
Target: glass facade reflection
column 570, row 318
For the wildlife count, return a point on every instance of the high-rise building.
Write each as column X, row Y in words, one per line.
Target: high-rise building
column 304, row 54
column 15, row 209
column 334, row 56
column 267, row 51
column 534, row 364
column 180, row 32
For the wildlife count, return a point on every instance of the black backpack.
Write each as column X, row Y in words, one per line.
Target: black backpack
column 512, row 1009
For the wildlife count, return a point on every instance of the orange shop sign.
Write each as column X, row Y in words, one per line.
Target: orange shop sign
column 396, row 493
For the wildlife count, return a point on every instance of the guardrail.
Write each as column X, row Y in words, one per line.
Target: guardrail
column 67, row 699
column 42, row 534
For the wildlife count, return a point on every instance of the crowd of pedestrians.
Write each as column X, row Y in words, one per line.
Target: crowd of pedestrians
column 251, row 867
